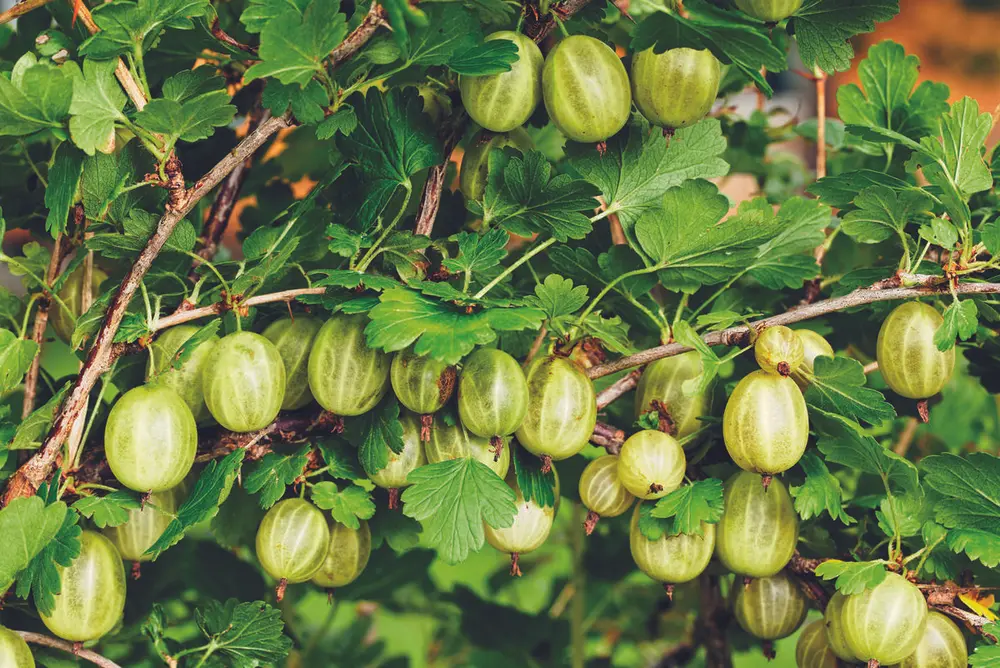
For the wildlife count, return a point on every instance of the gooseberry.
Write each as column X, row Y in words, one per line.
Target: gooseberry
column 651, row 464
column 671, row 559
column 562, row 408
column 779, row 350
column 345, row 375
column 244, row 382
column 813, row 346
column 676, row 88
column 759, row 528
column 941, row 646
column 457, row 442
column 771, row 11
column 531, row 526
column 813, row 650
column 661, row 385
column 886, row 622
column 769, row 608
column 475, row 168
column 293, row 337
column 63, row 320
column 292, row 542
column 502, row 102
column 14, row 652
column 346, row 556
column 908, row 358
column 602, row 492
column 185, row 381
column 766, row 423
column 146, row 524
column 492, row 394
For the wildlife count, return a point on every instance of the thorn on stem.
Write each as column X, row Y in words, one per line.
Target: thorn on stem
column 873, row 663
column 279, row 591
column 143, row 499
column 591, row 522
column 77, row 648
column 515, row 568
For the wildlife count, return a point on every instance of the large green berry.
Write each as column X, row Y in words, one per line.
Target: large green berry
column 293, row 540
column 676, row 88
column 91, row 595
column 71, row 294
column 502, row 102
column 813, row 649
column 345, row 375
column 833, row 620
column 562, row 408
column 346, row 557
column 766, row 424
column 779, row 350
column 886, row 622
column 145, row 525
column 185, row 381
column 457, row 442
column 769, row 608
column 813, row 346
column 600, row 489
column 586, row 89
column 475, row 169
column 651, row 464
column 420, row 382
column 908, row 358
column 942, row 645
column 393, row 475
column 663, row 382
column 293, row 337
column 150, row 439
column 492, row 393
column 530, row 528
column 244, row 381
column 759, row 527
column 671, row 559
column 14, row 652
column 769, row 10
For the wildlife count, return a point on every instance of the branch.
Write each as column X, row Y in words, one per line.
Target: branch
column 125, row 78
column 48, row 641
column 59, row 252
column 33, row 472
column 21, row 9
column 608, row 437
column 359, row 36
column 538, row 27
column 218, row 308
column 614, row 391
column 740, row 335
column 430, row 201
column 227, row 39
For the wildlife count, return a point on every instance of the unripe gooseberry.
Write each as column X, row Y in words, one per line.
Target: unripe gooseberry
column 885, row 622
column 457, row 442
column 293, row 337
column 769, row 10
column 663, row 384
column 346, row 556
column 150, row 439
column 14, row 652
column 401, row 464
column 779, row 350
column 346, row 376
column 813, row 346
column 531, row 526
column 504, row 101
column 562, row 408
column 292, row 542
column 244, row 381
column 91, row 595
column 769, row 608
column 941, row 646
column 908, row 358
column 420, row 382
column 651, row 464
column 602, row 492
column 759, row 528
column 766, row 423
column 145, row 525
column 833, row 620
column 185, row 381
column 676, row 88
column 671, row 559
column 586, row 89
column 813, row 650
column 474, row 173
column 63, row 320
column 492, row 394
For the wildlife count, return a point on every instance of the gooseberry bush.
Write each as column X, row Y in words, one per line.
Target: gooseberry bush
column 404, row 333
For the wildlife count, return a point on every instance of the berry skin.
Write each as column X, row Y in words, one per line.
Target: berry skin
column 150, row 439
column 346, row 376
column 145, row 525
column 531, row 526
column 813, row 346
column 185, row 381
column 71, row 294
column 14, row 652
column 771, row 11
column 908, row 358
column 244, row 382
column 502, row 102
column 651, row 464
column 779, row 350
column 586, row 89
column 492, row 393
column 600, row 489
column 759, row 528
column 833, row 620
column 92, row 592
column 346, row 557
column 663, row 382
column 813, row 650
column 562, row 408
column 475, row 168
column 671, row 559
column 293, row 337
column 885, row 623
column 770, row 608
column 401, row 464
column 676, row 88
column 292, row 540
column 455, row 442
column 766, row 424
column 421, row 383
column 942, row 645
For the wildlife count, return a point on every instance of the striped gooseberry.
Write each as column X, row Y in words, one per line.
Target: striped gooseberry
column 759, row 528
column 769, row 10
column 293, row 337
column 602, row 492
column 941, row 646
column 457, row 442
column 651, row 464
column 765, row 424
column 14, row 652
column 813, row 346
column 346, row 556
column 662, row 387
column 346, row 376
column 676, row 88
column 292, row 542
column 886, row 622
column 146, row 524
column 562, row 408
column 779, row 350
column 908, row 358
column 492, row 394
column 671, row 559
column 529, row 530
column 422, row 384
column 475, row 168
column 185, row 381
column 769, row 608
column 244, row 381
column 813, row 649
column 504, row 101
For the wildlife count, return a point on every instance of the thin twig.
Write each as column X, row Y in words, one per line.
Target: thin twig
column 38, row 328
column 536, row 345
column 376, row 17
column 227, row 39
column 871, row 367
column 181, row 317
column 608, row 437
column 125, row 78
column 21, row 9
column 538, row 27
column 612, row 392
column 740, row 335
column 56, row 643
column 430, row 201
column 906, row 437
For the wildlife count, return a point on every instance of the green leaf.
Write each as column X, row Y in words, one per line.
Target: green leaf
column 204, row 334
column 344, row 120
column 97, row 105
column 203, row 502
column 64, row 179
column 820, row 492
column 883, row 213
column 27, row 525
column 557, row 297
column 375, row 434
column 492, row 57
column 990, row 235
column 294, row 43
column 16, row 356
column 523, row 196
column 960, row 320
column 986, row 655
column 274, row 473
column 257, row 13
column 971, row 491
column 982, row 546
column 445, row 332
column 534, row 485
column 452, row 499
column 477, row 252
column 346, row 505
column 308, row 104
column 449, row 29
column 110, row 510
column 31, row 430
column 838, row 386
column 690, row 505
column 342, row 460
column 126, row 25
column 41, row 577
column 639, row 167
column 611, row 331
column 247, row 634
column 852, row 577
column 137, row 228
column 842, row 442
column 787, row 260
column 939, row 232
column 839, row 191
column 824, row 29
column 194, row 104
column 35, row 259
column 34, row 96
